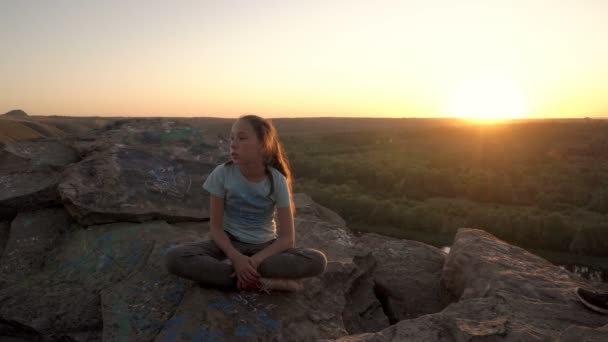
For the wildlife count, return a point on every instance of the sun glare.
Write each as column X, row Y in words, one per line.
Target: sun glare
column 486, row 101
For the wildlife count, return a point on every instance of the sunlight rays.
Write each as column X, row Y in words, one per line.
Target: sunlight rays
column 486, row 100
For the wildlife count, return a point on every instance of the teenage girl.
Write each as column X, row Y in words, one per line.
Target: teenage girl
column 244, row 193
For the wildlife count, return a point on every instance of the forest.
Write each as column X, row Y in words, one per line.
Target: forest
column 538, row 184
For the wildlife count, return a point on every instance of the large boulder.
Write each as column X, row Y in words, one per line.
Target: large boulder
column 498, row 292
column 140, row 172
column 32, row 235
column 29, row 174
column 109, row 282
column 321, row 311
column 407, row 275
column 36, row 154
column 96, row 283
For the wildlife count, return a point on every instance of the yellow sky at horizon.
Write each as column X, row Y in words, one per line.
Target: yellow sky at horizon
column 297, row 59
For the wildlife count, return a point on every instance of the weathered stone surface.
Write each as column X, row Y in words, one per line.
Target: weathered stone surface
column 139, row 306
column 307, row 206
column 32, row 235
column 61, row 281
column 387, row 271
column 332, row 305
column 406, row 277
column 143, row 172
column 363, row 310
column 320, row 311
column 498, row 292
column 109, row 282
column 5, row 227
column 98, row 278
column 29, row 174
column 335, row 240
column 38, row 154
column 21, row 192
column 578, row 333
column 172, row 137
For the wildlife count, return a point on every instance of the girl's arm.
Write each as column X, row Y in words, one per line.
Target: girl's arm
column 216, row 218
column 244, row 270
column 286, row 238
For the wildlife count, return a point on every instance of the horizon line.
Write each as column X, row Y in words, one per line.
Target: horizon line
column 321, row 117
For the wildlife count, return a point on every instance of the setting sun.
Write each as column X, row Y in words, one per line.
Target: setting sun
column 486, row 100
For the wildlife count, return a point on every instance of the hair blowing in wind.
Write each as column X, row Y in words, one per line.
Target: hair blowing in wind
column 274, row 154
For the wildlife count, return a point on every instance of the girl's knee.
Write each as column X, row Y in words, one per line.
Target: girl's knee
column 322, row 261
column 319, row 260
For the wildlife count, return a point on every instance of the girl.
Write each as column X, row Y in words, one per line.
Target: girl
column 244, row 192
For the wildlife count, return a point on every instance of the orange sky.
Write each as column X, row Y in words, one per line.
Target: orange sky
column 485, row 58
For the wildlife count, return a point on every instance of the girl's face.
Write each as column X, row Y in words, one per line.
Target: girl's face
column 245, row 147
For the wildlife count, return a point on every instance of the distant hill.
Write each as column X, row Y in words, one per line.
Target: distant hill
column 17, row 113
column 17, row 125
column 25, row 129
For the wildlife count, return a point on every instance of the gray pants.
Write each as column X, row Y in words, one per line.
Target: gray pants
column 202, row 262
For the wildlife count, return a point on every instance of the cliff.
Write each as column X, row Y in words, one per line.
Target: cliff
column 85, row 223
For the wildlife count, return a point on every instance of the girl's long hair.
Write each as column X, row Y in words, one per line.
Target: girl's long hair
column 274, row 154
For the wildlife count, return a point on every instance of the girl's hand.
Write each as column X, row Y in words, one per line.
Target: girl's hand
column 246, row 273
column 255, row 261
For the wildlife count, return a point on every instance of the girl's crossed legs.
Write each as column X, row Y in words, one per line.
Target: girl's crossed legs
column 203, row 262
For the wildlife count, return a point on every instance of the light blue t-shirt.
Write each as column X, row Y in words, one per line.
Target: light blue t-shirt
column 249, row 215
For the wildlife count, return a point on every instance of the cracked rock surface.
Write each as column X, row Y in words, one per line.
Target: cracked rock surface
column 499, row 292
column 85, row 223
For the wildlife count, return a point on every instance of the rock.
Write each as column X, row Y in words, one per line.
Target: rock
column 32, row 235
column 29, row 174
column 578, row 333
column 320, row 311
column 497, row 292
column 363, row 310
column 406, row 278
column 142, row 304
column 85, row 280
column 333, row 238
column 108, row 282
column 308, row 206
column 98, row 282
column 30, row 191
column 140, row 173
column 36, row 156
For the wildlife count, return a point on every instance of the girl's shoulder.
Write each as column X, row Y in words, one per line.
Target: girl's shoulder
column 223, row 169
column 277, row 175
column 225, row 166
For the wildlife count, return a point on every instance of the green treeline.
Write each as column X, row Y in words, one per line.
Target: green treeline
column 536, row 184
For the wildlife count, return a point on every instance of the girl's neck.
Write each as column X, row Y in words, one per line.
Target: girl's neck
column 253, row 171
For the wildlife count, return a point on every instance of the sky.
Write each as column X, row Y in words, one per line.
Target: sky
column 408, row 58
